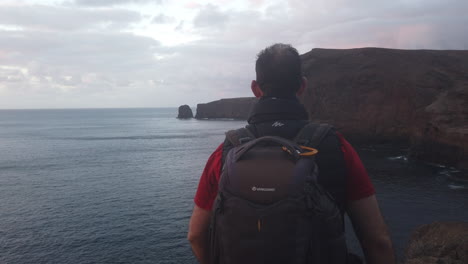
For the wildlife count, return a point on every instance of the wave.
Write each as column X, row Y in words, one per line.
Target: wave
column 403, row 158
column 456, row 186
column 220, row 119
column 90, row 138
column 455, row 178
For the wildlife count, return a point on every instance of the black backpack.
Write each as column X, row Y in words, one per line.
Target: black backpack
column 270, row 208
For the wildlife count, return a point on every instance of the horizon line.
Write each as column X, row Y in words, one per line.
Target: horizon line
column 89, row 108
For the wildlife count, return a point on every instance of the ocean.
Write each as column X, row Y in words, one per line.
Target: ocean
column 117, row 185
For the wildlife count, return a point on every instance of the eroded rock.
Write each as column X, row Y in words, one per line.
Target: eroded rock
column 185, row 112
column 439, row 243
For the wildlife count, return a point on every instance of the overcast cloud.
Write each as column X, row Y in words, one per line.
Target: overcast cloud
column 149, row 53
column 113, row 2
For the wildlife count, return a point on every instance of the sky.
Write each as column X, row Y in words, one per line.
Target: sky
column 162, row 53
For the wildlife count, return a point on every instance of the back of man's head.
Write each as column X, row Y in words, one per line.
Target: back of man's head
column 279, row 71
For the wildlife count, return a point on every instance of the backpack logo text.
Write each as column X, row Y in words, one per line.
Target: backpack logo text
column 259, row 189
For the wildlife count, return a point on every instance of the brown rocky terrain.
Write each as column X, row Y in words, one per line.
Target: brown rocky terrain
column 439, row 243
column 419, row 96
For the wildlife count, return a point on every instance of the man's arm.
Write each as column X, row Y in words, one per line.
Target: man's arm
column 204, row 198
column 371, row 230
column 198, row 233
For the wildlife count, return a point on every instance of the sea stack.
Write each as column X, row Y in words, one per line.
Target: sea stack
column 185, row 112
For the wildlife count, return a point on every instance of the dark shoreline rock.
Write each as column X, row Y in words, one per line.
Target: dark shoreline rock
column 185, row 112
column 439, row 242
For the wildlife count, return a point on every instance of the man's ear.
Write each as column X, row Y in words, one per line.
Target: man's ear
column 256, row 89
column 304, row 83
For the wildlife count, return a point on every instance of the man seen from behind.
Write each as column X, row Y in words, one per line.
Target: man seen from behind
column 278, row 112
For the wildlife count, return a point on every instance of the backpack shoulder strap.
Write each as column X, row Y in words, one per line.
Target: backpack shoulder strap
column 239, row 136
column 334, row 181
column 312, row 134
column 236, row 138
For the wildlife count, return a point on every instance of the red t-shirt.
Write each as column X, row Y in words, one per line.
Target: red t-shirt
column 358, row 184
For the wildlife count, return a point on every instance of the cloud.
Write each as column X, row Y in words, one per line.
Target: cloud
column 340, row 24
column 100, row 3
column 102, row 56
column 162, row 19
column 81, row 64
column 256, row 3
column 192, row 5
column 11, row 75
column 180, row 26
column 210, row 16
column 40, row 17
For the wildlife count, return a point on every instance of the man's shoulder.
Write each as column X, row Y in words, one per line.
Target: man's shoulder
column 216, row 155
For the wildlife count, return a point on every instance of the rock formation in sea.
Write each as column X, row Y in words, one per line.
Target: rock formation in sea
column 417, row 96
column 185, row 112
column 440, row 242
column 235, row 108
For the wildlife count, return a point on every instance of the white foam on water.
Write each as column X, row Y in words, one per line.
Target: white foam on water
column 403, row 158
column 456, row 186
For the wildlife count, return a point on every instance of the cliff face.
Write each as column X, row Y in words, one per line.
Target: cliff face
column 415, row 96
column 420, row 96
column 237, row 108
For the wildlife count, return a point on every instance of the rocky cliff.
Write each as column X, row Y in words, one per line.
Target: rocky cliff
column 440, row 242
column 417, row 96
column 236, row 108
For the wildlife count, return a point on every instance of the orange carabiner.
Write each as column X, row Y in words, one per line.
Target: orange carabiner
column 311, row 152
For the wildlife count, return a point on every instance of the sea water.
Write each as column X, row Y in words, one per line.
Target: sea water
column 117, row 185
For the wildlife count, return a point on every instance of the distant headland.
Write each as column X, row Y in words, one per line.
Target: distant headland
column 419, row 97
column 232, row 108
